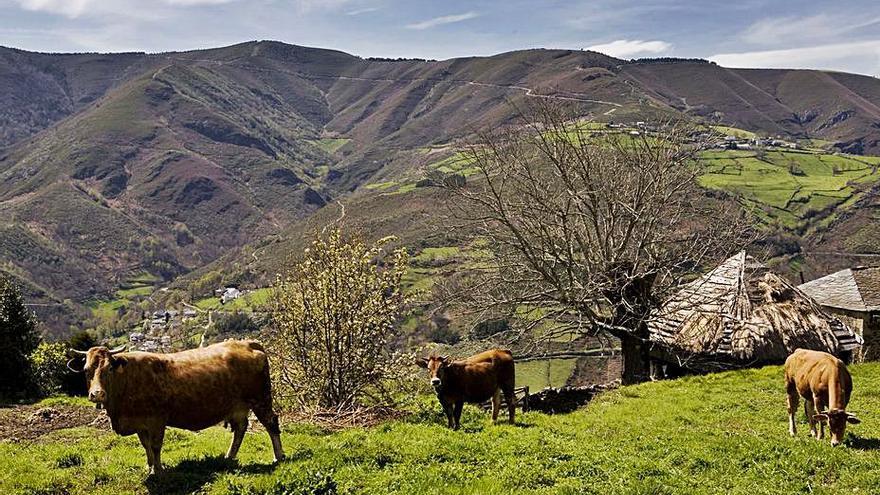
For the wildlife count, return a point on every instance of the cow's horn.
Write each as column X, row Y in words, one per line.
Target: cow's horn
column 117, row 350
column 71, row 368
column 82, row 353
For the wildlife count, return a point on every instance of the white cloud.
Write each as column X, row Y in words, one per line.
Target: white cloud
column 859, row 56
column 439, row 21
column 629, row 48
column 69, row 8
column 191, row 3
column 127, row 8
column 306, row 6
column 364, row 10
column 799, row 30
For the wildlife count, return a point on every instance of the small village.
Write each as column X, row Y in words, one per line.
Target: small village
column 170, row 329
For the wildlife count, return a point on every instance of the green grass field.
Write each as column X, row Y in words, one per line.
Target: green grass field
column 330, row 145
column 250, row 300
column 716, row 434
column 139, row 286
column 789, row 186
column 540, row 374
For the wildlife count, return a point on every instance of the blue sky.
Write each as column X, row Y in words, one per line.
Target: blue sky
column 840, row 35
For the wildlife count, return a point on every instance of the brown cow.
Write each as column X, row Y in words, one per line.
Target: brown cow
column 473, row 380
column 824, row 382
column 143, row 392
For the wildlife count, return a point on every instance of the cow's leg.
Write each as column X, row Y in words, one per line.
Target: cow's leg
column 496, row 404
column 157, row 437
column 457, row 414
column 238, row 424
column 510, row 397
column 808, row 410
column 819, row 407
column 447, row 410
column 144, row 437
column 267, row 417
column 792, row 399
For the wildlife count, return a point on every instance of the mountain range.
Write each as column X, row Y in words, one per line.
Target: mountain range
column 118, row 166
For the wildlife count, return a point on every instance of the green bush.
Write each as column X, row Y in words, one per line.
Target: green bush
column 334, row 314
column 48, row 364
column 237, row 322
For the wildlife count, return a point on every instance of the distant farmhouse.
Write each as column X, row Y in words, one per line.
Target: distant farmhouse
column 742, row 314
column 853, row 295
column 228, row 294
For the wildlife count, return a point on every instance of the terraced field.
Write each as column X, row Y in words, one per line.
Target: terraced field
column 135, row 288
column 794, row 188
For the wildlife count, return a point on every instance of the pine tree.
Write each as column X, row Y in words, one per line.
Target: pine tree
column 18, row 339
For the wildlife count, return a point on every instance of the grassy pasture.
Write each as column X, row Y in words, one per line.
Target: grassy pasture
column 330, row 145
column 250, row 300
column 717, row 434
column 136, row 287
column 547, row 373
column 789, row 186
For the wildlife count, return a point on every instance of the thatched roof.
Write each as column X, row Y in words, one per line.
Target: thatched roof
column 741, row 313
column 853, row 289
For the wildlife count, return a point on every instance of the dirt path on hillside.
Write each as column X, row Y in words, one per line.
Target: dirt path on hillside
column 26, row 423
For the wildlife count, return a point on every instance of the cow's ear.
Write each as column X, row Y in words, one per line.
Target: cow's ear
column 853, row 420
column 422, row 362
column 117, row 361
column 820, row 417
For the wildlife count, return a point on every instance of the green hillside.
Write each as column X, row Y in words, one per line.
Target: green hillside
column 794, row 188
column 716, row 434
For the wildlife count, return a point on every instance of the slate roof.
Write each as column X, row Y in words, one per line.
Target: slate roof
column 853, row 289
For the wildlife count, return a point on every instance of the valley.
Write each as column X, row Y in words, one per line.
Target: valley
column 210, row 167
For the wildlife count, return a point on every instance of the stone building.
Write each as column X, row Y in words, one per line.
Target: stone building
column 854, row 296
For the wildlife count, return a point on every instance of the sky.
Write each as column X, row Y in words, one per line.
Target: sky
column 836, row 35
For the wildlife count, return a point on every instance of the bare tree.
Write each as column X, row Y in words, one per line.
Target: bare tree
column 594, row 227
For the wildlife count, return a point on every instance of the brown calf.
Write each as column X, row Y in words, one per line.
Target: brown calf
column 825, row 384
column 473, row 380
column 143, row 392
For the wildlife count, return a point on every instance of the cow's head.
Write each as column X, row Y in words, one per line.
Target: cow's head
column 99, row 365
column 837, row 420
column 437, row 366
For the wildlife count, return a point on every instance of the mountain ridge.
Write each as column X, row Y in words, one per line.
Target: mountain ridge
column 119, row 164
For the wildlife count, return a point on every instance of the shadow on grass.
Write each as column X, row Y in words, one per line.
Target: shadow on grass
column 191, row 475
column 861, row 443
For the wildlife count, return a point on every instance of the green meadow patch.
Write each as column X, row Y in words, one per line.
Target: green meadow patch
column 539, row 374
column 250, row 300
column 724, row 433
column 330, row 145
column 790, row 187
column 139, row 286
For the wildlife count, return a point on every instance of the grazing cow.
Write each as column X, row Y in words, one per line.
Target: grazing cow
column 473, row 380
column 145, row 392
column 825, row 384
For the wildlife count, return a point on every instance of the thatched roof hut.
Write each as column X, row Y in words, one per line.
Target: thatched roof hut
column 742, row 314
